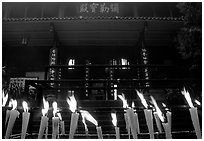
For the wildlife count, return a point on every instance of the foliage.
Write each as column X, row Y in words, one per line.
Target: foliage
column 189, row 38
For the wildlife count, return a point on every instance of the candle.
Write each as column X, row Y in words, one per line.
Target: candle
column 55, row 127
column 44, row 120
column 74, row 117
column 148, row 115
column 127, row 124
column 167, row 130
column 136, row 118
column 25, row 120
column 125, row 105
column 99, row 132
column 149, row 118
column 8, row 112
column 193, row 113
column 114, row 121
column 73, row 125
column 62, row 128
column 195, row 120
column 132, row 121
column 158, row 123
column 43, row 126
column 55, row 121
column 12, row 118
column 168, row 115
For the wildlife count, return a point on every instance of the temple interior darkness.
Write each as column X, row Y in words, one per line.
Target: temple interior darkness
column 108, row 57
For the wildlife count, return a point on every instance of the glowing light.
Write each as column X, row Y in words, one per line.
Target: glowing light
column 4, row 98
column 14, row 104
column 144, row 102
column 86, row 115
column 164, row 105
column 25, row 106
column 59, row 115
column 54, row 105
column 114, row 119
column 187, row 96
column 197, row 102
column 133, row 104
column 158, row 111
column 46, row 107
column 72, row 103
column 71, row 63
column 122, row 97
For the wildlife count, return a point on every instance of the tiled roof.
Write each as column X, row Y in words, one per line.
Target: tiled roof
column 94, row 18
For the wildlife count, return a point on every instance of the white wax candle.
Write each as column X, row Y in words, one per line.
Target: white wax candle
column 43, row 125
column 12, row 118
column 168, row 115
column 55, row 127
column 73, row 125
column 137, row 123
column 117, row 132
column 149, row 121
column 25, row 120
column 158, row 122
column 99, row 132
column 7, row 116
column 167, row 130
column 127, row 124
column 195, row 120
column 132, row 122
column 62, row 127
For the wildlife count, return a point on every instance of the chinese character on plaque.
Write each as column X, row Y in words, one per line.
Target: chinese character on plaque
column 93, row 7
column 84, row 8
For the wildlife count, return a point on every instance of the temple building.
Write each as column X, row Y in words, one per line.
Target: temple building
column 99, row 59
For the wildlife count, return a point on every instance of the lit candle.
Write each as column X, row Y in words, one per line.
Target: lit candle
column 99, row 132
column 158, row 123
column 55, row 121
column 25, row 120
column 148, row 115
column 114, row 121
column 125, row 105
column 8, row 112
column 74, row 117
column 12, row 118
column 44, row 120
column 193, row 113
column 166, row 126
column 90, row 118
column 136, row 119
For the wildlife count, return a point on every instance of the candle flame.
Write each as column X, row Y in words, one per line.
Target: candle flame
column 14, row 104
column 25, row 106
column 59, row 115
column 164, row 105
column 72, row 103
column 4, row 98
column 197, row 102
column 144, row 102
column 133, row 104
column 54, row 105
column 122, row 97
column 187, row 96
column 158, row 111
column 114, row 119
column 46, row 107
column 10, row 103
column 88, row 117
